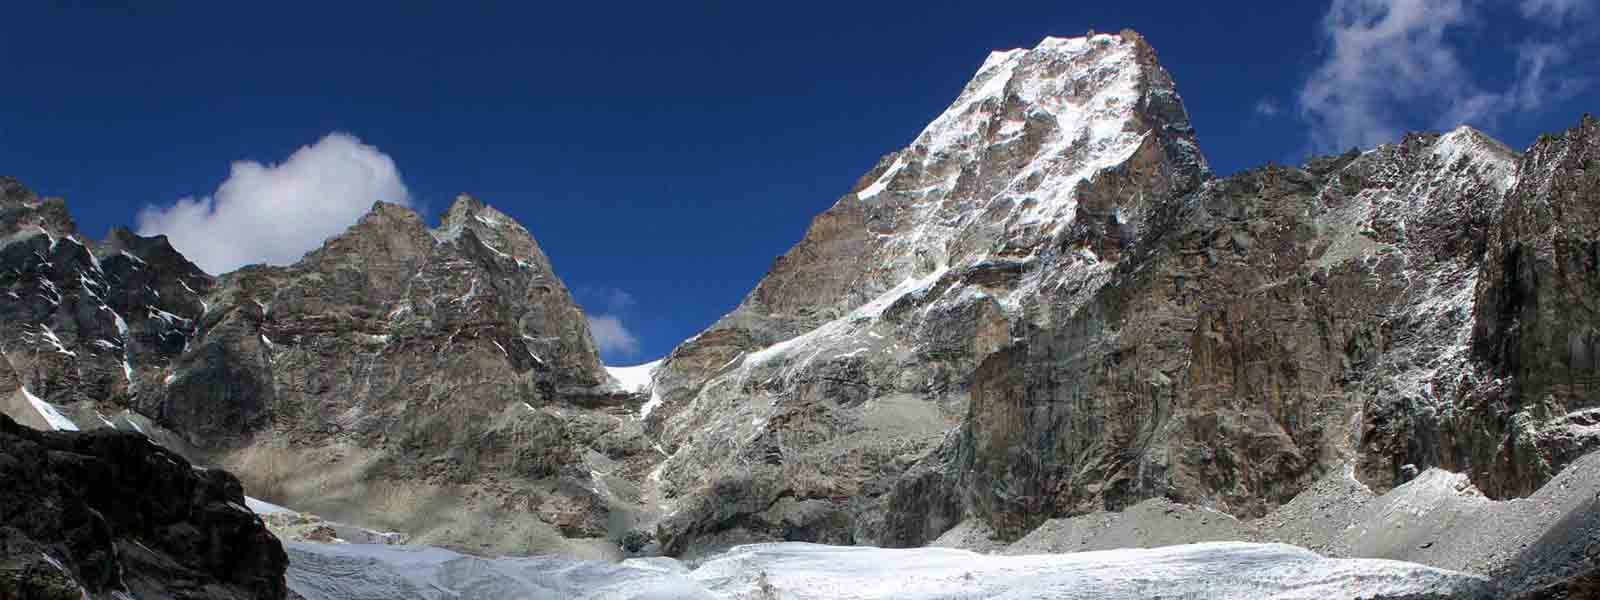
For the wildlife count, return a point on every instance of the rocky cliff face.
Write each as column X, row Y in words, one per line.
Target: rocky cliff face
column 91, row 325
column 1044, row 306
column 330, row 347
column 795, row 415
column 431, row 380
column 1276, row 325
column 1534, row 331
column 437, row 380
column 108, row 513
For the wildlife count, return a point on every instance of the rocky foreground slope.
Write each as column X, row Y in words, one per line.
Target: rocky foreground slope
column 1046, row 306
column 110, row 514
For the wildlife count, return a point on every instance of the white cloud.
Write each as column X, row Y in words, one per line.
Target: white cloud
column 274, row 214
column 1380, row 54
column 612, row 337
column 1541, row 76
column 616, row 300
column 1555, row 12
column 1388, row 61
column 1267, row 108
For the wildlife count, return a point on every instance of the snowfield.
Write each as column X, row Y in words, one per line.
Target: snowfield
column 634, row 379
column 801, row 571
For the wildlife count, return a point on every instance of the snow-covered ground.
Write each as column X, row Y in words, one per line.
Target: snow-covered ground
column 801, row 571
column 634, row 379
column 638, row 379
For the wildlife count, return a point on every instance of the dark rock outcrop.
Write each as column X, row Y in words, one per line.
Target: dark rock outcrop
column 106, row 511
column 94, row 324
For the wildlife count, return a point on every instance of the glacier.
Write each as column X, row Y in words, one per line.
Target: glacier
column 804, row 571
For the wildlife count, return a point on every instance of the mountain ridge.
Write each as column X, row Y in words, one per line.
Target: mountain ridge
column 1045, row 306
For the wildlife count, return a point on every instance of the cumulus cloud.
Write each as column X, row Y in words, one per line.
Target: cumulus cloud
column 274, row 214
column 609, row 306
column 612, row 336
column 1385, row 59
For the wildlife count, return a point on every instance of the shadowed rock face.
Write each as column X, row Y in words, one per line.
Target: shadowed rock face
column 107, row 511
column 1536, row 326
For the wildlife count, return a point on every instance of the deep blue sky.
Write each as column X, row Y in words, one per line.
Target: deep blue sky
column 667, row 150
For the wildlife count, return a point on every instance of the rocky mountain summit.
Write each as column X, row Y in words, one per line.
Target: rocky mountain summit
column 401, row 375
column 397, row 375
column 87, row 323
column 1045, row 308
column 853, row 357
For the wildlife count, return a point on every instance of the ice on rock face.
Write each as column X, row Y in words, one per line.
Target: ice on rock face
column 801, row 571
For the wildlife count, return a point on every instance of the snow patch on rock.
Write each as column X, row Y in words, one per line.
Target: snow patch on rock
column 53, row 417
column 634, row 379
